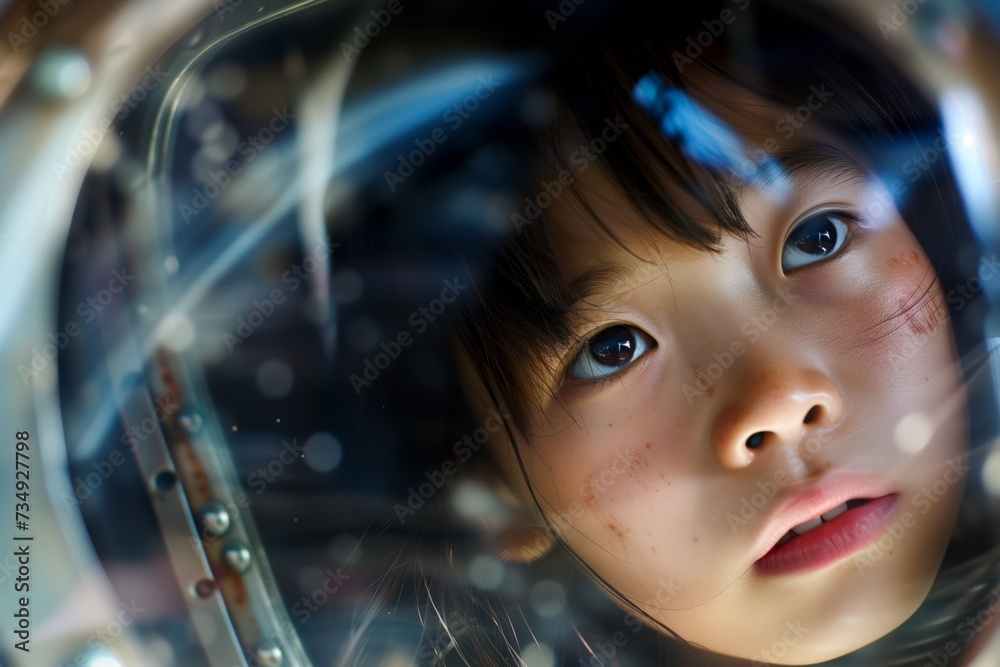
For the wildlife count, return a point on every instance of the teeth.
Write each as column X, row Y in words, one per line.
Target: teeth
column 807, row 526
column 835, row 512
column 787, row 538
column 812, row 523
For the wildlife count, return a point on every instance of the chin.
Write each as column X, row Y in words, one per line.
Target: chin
column 883, row 601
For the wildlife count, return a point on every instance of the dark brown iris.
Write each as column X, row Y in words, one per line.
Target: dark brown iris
column 613, row 347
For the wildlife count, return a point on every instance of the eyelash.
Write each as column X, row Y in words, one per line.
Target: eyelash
column 594, row 385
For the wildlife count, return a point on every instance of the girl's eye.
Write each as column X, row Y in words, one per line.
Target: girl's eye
column 815, row 239
column 609, row 351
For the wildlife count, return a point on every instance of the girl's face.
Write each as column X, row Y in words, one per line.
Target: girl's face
column 721, row 400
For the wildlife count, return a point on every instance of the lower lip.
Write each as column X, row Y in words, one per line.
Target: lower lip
column 834, row 540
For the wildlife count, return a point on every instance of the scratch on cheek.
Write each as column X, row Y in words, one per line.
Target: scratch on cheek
column 922, row 315
column 922, row 306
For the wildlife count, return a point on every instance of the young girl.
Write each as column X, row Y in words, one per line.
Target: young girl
column 725, row 328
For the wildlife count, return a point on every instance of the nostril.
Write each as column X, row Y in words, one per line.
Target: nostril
column 812, row 415
column 755, row 440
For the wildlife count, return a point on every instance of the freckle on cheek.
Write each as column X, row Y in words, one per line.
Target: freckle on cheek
column 906, row 258
column 616, row 529
column 610, row 472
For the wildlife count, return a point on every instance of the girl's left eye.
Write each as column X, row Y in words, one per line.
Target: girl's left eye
column 609, row 351
column 817, row 238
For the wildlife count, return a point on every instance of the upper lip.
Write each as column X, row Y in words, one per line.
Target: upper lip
column 801, row 504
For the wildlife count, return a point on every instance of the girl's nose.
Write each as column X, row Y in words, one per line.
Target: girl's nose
column 779, row 408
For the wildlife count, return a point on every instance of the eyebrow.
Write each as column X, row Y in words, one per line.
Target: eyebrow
column 603, row 282
column 807, row 160
column 602, row 278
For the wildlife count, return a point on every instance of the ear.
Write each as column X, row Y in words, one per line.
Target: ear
column 514, row 530
column 525, row 543
column 522, row 538
column 508, row 524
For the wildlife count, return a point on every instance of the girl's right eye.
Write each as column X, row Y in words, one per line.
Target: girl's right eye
column 610, row 351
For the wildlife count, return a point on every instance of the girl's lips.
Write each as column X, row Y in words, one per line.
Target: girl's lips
column 828, row 543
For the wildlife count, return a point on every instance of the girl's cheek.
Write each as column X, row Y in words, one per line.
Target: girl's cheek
column 618, row 470
column 918, row 297
column 916, row 307
column 605, row 496
column 898, row 306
